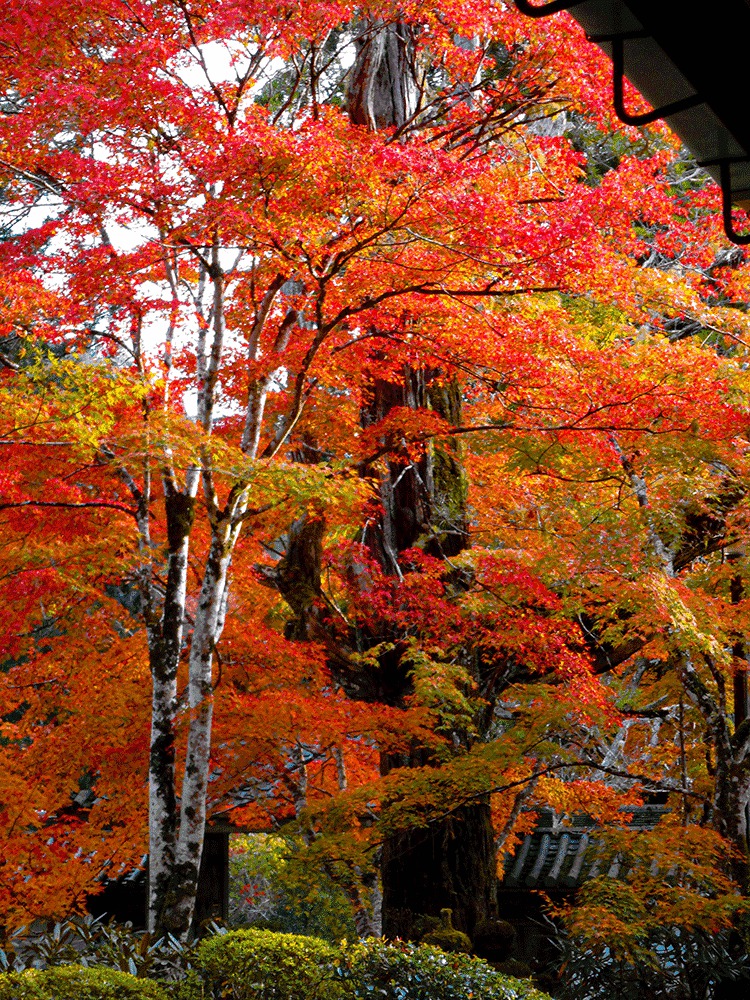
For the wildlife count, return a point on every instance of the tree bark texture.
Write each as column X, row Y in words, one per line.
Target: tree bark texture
column 298, row 574
column 424, row 501
column 732, row 769
column 383, row 91
column 165, row 638
column 452, row 862
column 177, row 821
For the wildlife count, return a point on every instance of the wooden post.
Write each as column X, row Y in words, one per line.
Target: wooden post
column 212, row 899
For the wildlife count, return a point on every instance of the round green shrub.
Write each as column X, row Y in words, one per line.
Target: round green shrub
column 405, row 971
column 192, row 987
column 75, row 982
column 265, row 965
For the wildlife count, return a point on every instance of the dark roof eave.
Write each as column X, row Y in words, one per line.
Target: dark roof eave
column 689, row 68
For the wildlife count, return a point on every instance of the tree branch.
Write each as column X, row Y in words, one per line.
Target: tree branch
column 70, row 506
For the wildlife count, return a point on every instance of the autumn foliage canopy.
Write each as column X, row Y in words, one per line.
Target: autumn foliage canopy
column 335, row 441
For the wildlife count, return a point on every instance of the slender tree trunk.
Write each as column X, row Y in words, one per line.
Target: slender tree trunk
column 731, row 795
column 741, row 693
column 732, row 766
column 165, row 637
column 179, row 902
column 740, row 686
column 177, row 824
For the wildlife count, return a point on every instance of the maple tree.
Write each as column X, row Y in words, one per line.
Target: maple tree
column 338, row 402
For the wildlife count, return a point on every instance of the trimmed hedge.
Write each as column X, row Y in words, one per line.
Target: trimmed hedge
column 265, row 965
column 75, row 982
column 404, row 971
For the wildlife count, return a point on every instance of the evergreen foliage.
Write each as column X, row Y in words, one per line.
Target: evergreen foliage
column 674, row 964
column 76, row 982
column 404, row 971
column 264, row 965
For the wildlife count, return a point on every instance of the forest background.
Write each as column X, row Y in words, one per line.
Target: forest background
column 374, row 436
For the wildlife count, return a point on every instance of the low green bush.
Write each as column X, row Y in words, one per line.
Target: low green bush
column 192, row 987
column 404, row 971
column 75, row 982
column 265, row 965
column 92, row 942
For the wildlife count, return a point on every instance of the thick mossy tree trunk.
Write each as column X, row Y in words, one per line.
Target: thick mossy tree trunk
column 452, row 862
column 297, row 575
column 423, row 502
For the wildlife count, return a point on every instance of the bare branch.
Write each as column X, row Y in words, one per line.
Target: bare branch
column 70, row 506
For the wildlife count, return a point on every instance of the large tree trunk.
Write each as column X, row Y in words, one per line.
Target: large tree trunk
column 383, row 90
column 452, row 862
column 423, row 501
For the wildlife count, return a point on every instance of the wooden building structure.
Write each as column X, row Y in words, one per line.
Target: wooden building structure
column 553, row 861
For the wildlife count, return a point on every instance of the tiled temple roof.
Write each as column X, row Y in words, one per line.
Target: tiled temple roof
column 560, row 858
